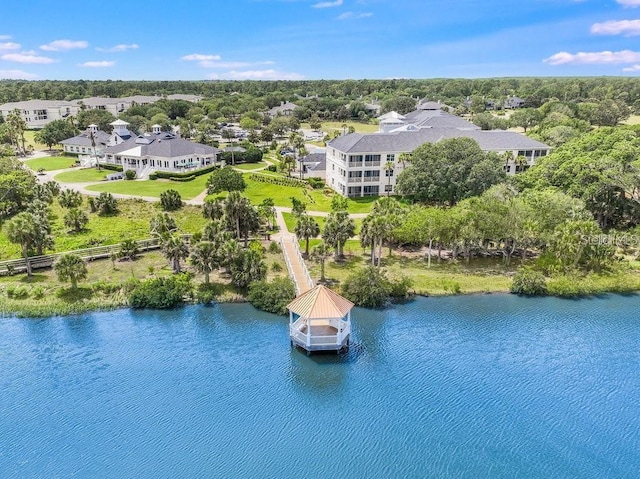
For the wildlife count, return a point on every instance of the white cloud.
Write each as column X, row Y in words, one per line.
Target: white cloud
column 336, row 3
column 269, row 74
column 232, row 65
column 64, row 45
column 632, row 68
column 629, row 3
column 16, row 75
column 101, row 64
column 623, row 27
column 9, row 46
column 198, row 57
column 594, row 58
column 27, row 57
column 122, row 47
column 353, row 16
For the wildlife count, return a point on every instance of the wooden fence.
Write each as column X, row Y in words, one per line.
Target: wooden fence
column 88, row 254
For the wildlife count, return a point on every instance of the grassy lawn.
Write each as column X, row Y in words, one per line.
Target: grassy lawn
column 153, row 188
column 290, row 220
column 479, row 276
column 329, row 126
column 131, row 222
column 316, row 200
column 251, row 166
column 51, row 163
column 632, row 120
column 29, row 135
column 82, row 175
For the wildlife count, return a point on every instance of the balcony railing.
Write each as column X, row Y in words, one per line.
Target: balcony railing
column 355, row 179
column 371, row 179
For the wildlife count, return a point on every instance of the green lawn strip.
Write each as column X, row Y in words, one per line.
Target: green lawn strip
column 330, row 126
column 153, row 188
column 131, row 222
column 291, row 221
column 51, row 163
column 82, row 175
column 632, row 120
column 29, row 135
column 480, row 276
column 250, row 166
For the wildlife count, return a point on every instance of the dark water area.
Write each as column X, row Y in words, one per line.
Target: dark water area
column 488, row 386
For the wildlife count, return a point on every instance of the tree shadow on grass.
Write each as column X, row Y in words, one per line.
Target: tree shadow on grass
column 34, row 278
column 71, row 295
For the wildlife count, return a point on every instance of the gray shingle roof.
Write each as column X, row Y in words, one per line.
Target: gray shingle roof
column 315, row 161
column 406, row 141
column 83, row 139
column 438, row 119
column 164, row 145
column 34, row 105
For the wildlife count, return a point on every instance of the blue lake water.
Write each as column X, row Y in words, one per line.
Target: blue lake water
column 490, row 386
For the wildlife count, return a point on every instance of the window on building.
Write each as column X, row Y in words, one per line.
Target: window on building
column 391, row 157
column 388, row 173
column 388, row 188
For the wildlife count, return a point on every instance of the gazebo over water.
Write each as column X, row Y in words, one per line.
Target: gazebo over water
column 320, row 320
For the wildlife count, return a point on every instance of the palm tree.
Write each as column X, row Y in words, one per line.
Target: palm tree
column 234, row 207
column 229, row 251
column 175, row 249
column 75, row 219
column 306, row 228
column 21, row 229
column 71, row 267
column 205, row 258
column 248, row 267
column 338, row 229
column 388, row 168
column 320, row 253
column 162, row 224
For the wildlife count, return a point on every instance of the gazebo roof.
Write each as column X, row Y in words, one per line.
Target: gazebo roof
column 320, row 303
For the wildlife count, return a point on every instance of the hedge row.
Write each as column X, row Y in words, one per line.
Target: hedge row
column 183, row 179
column 278, row 180
column 111, row 167
column 169, row 175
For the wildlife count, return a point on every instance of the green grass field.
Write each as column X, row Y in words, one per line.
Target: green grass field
column 479, row 276
column 82, row 175
column 51, row 163
column 131, row 222
column 153, row 188
column 250, row 166
column 316, row 200
column 29, row 135
column 330, row 126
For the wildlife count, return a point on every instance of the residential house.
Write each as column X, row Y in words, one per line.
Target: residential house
column 284, row 109
column 83, row 144
column 159, row 151
column 514, row 102
column 360, row 164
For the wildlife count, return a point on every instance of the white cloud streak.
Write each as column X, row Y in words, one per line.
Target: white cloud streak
column 632, row 68
column 9, row 46
column 594, row 58
column 629, row 3
column 99, row 64
column 122, row 47
column 628, row 28
column 269, row 74
column 16, row 75
column 64, row 45
column 198, row 57
column 336, row 3
column 27, row 57
column 353, row 16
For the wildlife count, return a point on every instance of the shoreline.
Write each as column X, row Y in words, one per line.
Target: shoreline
column 78, row 309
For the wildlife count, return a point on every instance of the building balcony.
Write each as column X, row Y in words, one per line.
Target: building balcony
column 371, row 163
column 371, row 179
column 355, row 164
column 355, row 179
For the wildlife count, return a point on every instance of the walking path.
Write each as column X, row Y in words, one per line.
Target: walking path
column 295, row 264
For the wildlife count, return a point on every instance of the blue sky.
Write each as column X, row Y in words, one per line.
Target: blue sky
column 317, row 39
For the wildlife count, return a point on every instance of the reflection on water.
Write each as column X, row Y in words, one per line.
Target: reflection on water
column 483, row 386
